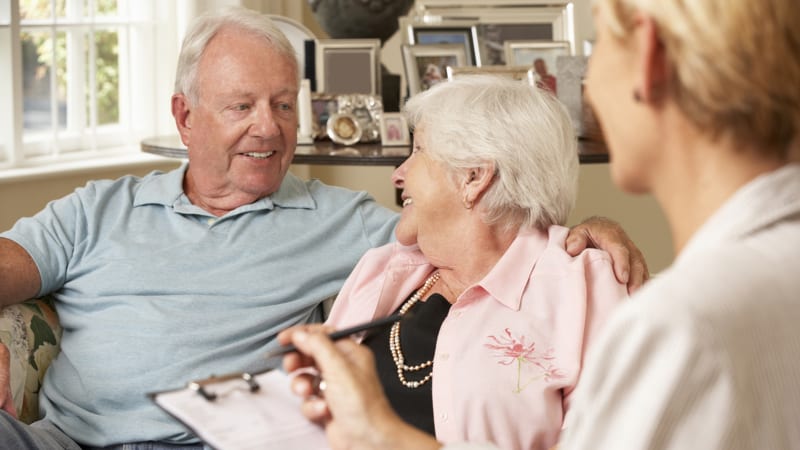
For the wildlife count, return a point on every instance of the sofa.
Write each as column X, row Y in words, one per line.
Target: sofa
column 32, row 333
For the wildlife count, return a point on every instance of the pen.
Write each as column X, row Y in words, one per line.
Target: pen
column 339, row 334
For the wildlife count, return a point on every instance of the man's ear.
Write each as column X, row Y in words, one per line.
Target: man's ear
column 654, row 70
column 181, row 112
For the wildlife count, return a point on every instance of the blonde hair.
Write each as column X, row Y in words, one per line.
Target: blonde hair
column 735, row 63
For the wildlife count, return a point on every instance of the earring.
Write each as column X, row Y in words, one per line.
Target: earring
column 468, row 203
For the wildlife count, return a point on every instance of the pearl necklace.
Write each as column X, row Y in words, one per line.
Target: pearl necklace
column 394, row 339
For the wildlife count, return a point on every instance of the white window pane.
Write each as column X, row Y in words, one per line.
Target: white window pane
column 36, row 80
column 106, row 67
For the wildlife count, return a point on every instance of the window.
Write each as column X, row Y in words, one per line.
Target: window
column 80, row 76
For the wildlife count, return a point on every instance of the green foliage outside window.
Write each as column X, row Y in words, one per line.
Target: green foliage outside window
column 106, row 47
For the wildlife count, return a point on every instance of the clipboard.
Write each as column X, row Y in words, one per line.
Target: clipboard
column 243, row 411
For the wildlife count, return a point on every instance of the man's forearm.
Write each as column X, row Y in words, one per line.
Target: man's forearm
column 19, row 276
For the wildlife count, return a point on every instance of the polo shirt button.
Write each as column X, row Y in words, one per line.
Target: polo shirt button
column 211, row 221
column 444, row 417
column 445, row 356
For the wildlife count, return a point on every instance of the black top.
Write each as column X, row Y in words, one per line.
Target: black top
column 418, row 332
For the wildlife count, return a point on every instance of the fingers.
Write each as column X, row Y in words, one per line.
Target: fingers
column 577, row 240
column 6, row 400
column 316, row 410
column 639, row 273
column 621, row 260
column 295, row 361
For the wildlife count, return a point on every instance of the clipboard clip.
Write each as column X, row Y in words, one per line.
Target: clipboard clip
column 200, row 386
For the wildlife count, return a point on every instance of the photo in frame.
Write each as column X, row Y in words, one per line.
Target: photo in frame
column 522, row 73
column 426, row 65
column 541, row 56
column 394, row 130
column 336, row 112
column 571, row 71
column 323, row 106
column 493, row 36
column 348, row 66
column 467, row 36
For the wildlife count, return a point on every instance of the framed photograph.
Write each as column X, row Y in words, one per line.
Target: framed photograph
column 334, row 112
column 498, row 21
column 540, row 55
column 323, row 106
column 426, row 65
column 344, row 128
column 466, row 36
column 522, row 73
column 394, row 130
column 348, row 66
column 493, row 37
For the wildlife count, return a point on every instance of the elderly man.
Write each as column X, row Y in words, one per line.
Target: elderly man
column 175, row 276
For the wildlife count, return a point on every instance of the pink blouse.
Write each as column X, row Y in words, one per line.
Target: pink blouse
column 510, row 350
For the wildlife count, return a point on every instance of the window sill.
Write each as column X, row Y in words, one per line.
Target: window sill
column 128, row 160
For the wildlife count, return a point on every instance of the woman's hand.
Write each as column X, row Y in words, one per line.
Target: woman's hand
column 598, row 232
column 352, row 405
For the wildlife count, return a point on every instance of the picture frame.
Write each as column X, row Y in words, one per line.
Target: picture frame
column 348, row 66
column 327, row 109
column 344, row 128
column 426, row 65
column 497, row 21
column 571, row 72
column 493, row 37
column 465, row 35
column 394, row 130
column 323, row 106
column 541, row 55
column 522, row 73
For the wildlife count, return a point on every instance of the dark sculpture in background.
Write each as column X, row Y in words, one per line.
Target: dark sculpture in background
column 365, row 19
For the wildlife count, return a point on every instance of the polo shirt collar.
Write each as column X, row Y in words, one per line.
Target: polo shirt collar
column 167, row 189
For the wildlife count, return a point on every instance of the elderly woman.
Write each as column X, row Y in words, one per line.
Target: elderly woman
column 700, row 105
column 500, row 314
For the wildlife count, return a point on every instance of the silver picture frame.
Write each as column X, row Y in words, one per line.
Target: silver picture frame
column 348, row 66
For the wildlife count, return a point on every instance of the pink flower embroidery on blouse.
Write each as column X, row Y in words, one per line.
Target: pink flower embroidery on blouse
column 510, row 349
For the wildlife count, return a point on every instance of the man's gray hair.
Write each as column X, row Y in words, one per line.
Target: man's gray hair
column 206, row 26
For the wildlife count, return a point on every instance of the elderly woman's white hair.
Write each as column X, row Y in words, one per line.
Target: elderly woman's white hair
column 524, row 131
column 207, row 26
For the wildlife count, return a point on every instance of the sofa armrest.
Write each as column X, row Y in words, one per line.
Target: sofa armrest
column 32, row 334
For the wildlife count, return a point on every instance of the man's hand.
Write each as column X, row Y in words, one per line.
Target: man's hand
column 599, row 232
column 6, row 401
column 352, row 405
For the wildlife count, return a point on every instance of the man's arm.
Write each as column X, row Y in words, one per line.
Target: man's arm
column 598, row 232
column 19, row 276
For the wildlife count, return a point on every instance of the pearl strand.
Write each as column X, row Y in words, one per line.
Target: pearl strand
column 394, row 339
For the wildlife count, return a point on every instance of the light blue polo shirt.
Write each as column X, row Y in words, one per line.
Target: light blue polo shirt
column 152, row 291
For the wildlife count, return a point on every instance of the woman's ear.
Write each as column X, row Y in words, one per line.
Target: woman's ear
column 654, row 71
column 477, row 181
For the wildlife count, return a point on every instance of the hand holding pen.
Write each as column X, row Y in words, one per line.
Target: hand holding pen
column 354, row 409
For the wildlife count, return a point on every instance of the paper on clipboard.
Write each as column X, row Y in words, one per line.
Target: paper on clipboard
column 244, row 412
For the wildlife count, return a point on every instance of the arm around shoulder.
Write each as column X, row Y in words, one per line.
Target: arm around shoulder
column 19, row 276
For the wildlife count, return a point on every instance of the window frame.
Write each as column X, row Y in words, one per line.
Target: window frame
column 146, row 71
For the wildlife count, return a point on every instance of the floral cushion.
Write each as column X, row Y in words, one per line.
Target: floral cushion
column 32, row 334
